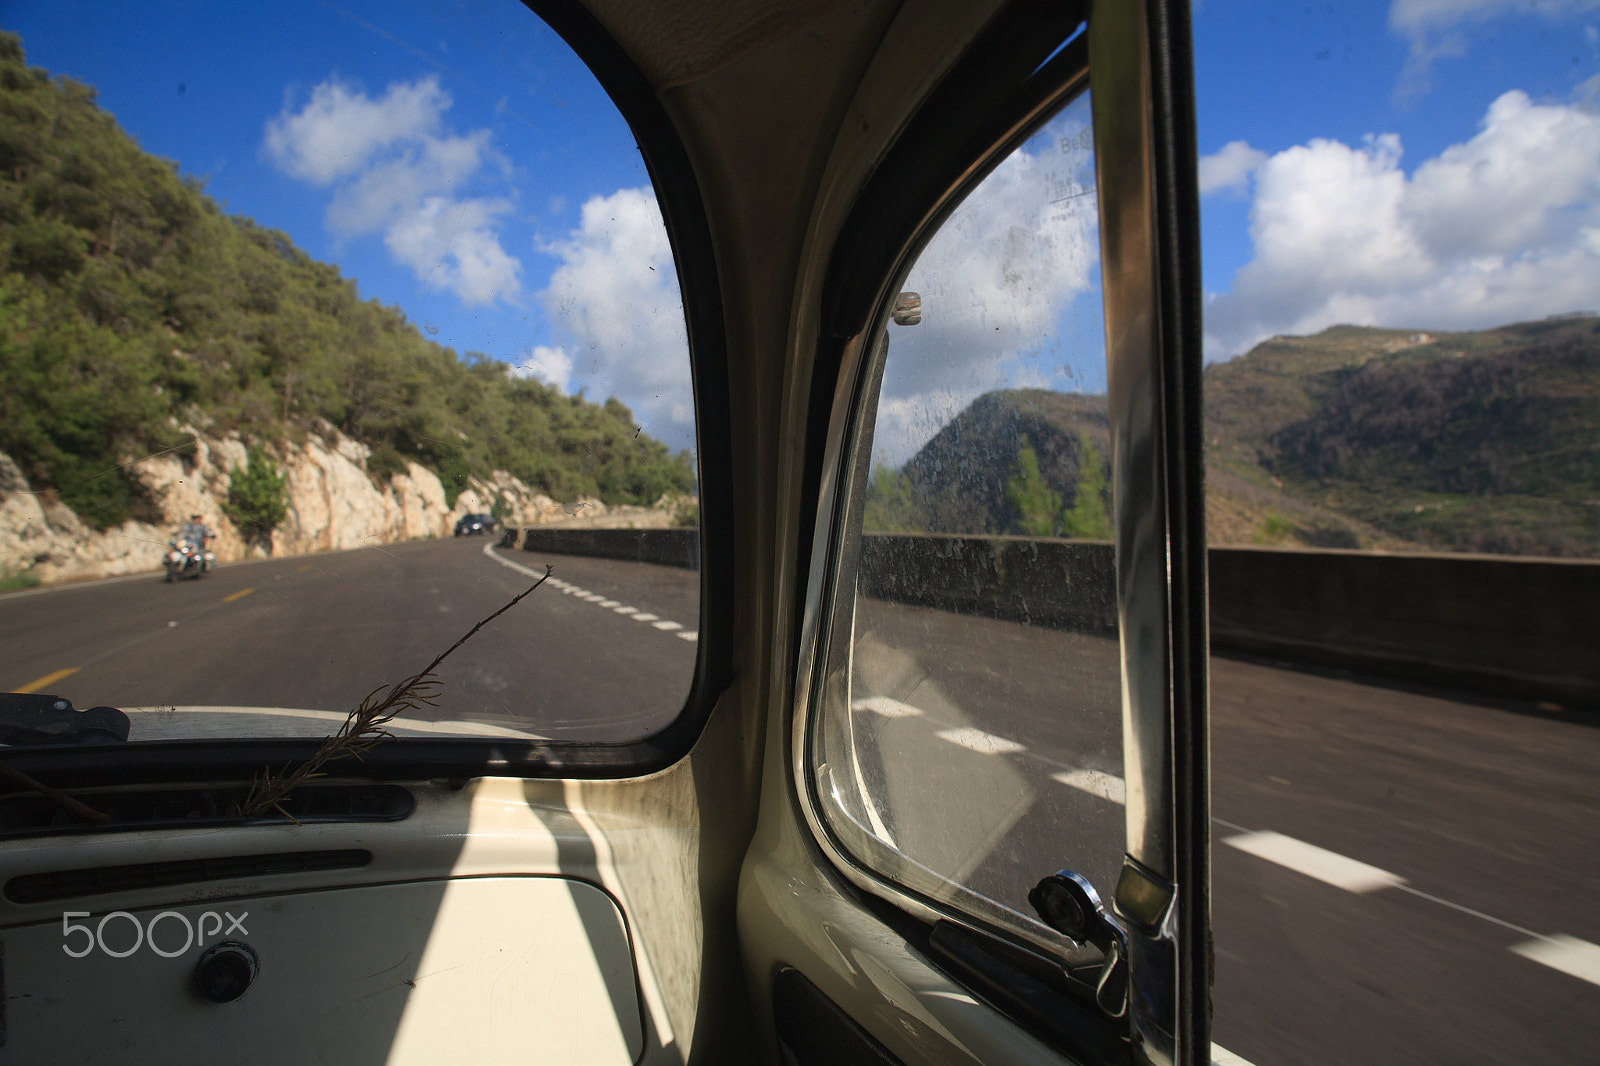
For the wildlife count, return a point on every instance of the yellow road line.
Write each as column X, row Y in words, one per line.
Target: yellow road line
column 304, row 568
column 47, row 679
column 241, row 594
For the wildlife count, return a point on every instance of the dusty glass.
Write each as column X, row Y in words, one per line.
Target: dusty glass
column 969, row 734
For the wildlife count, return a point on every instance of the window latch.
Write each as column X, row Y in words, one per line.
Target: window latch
column 1068, row 903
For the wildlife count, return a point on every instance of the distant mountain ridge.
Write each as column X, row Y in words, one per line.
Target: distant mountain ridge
column 1356, row 437
column 1484, row 440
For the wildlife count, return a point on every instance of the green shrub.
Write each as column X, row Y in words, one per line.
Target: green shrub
column 1275, row 529
column 256, row 498
column 687, row 513
column 12, row 581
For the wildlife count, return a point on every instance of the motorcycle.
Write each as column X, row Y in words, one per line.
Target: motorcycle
column 185, row 558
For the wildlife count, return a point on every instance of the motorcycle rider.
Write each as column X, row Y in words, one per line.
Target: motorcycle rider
column 195, row 532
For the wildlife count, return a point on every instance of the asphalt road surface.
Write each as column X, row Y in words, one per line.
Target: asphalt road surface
column 321, row 631
column 1399, row 876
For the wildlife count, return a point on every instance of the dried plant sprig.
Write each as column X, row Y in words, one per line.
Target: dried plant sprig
column 365, row 726
column 60, row 799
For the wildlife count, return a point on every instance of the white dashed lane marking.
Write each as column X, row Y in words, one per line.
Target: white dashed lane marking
column 569, row 589
column 1096, row 783
column 1320, row 863
column 888, row 707
column 1221, row 1056
column 1572, row 956
column 979, row 741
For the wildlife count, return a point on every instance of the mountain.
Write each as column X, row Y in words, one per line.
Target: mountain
column 1025, row 461
column 1477, row 441
column 132, row 307
column 1485, row 441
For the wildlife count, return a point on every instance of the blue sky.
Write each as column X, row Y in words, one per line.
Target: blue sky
column 1424, row 163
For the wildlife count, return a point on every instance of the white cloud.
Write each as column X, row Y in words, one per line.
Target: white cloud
column 553, row 366
column 339, row 128
column 1489, row 231
column 1000, row 284
column 451, row 244
column 398, row 184
column 1438, row 28
column 615, row 296
column 395, row 170
column 1230, row 168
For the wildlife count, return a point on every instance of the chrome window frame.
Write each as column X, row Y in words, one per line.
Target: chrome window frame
column 1148, row 209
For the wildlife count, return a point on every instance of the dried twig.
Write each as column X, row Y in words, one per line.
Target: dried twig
column 365, row 726
column 60, row 799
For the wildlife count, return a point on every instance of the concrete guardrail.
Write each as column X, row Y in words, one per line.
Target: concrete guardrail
column 1522, row 627
column 664, row 547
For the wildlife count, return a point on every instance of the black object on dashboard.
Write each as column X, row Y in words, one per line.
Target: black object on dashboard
column 30, row 718
column 226, row 970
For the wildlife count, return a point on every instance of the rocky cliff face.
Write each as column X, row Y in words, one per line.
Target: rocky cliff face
column 333, row 503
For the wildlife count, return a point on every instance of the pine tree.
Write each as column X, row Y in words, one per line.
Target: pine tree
column 1037, row 506
column 1087, row 519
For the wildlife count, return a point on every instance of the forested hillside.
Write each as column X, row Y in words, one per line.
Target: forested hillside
column 130, row 305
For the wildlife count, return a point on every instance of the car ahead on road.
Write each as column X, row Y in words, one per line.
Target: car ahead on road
column 470, row 525
column 758, row 879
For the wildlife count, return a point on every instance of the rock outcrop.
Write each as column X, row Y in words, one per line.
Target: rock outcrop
column 333, row 503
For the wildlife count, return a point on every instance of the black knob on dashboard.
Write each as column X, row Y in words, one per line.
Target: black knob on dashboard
column 225, row 970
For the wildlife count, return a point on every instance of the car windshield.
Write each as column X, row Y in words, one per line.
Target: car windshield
column 275, row 331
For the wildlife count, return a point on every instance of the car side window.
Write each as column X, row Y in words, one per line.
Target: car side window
column 967, row 739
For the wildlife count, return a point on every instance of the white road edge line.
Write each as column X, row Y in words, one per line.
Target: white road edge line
column 979, row 741
column 1096, row 783
column 597, row 599
column 1577, row 958
column 1320, row 863
column 1221, row 1056
column 488, row 549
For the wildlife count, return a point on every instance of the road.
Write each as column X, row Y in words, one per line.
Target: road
column 322, row 631
column 1399, row 876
